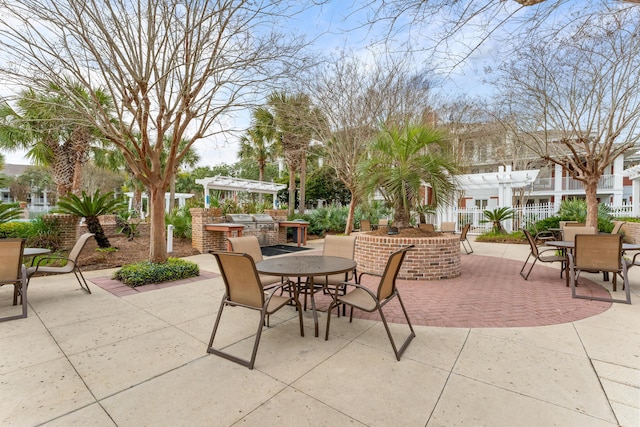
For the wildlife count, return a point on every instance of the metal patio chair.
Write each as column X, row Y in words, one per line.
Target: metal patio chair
column 364, row 299
column 448, row 227
column 13, row 272
column 539, row 255
column 71, row 265
column 251, row 245
column 463, row 239
column 595, row 253
column 243, row 289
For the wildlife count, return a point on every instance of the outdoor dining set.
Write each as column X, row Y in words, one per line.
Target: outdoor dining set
column 267, row 286
column 579, row 248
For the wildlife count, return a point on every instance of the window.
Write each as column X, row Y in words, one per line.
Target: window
column 481, row 203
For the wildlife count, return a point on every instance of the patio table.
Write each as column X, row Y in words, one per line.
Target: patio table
column 33, row 252
column 565, row 245
column 306, row 266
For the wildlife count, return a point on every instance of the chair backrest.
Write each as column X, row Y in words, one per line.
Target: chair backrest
column 617, row 225
column 562, row 224
column 600, row 252
column 342, row 246
column 465, row 230
column 570, row 233
column 575, row 224
column 241, row 278
column 447, row 226
column 11, row 260
column 387, row 284
column 248, row 245
column 427, row 227
column 77, row 248
column 532, row 242
column 365, row 225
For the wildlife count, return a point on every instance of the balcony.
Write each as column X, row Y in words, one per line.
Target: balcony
column 606, row 182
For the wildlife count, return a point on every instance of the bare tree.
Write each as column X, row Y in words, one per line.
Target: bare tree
column 577, row 96
column 171, row 68
column 355, row 99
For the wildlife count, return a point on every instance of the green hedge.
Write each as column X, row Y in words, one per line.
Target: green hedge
column 145, row 272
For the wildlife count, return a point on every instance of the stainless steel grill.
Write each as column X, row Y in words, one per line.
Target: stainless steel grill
column 264, row 222
column 243, row 219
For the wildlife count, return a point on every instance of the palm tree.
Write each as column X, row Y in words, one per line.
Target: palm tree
column 496, row 216
column 54, row 135
column 9, row 212
column 400, row 160
column 90, row 207
column 295, row 119
column 258, row 142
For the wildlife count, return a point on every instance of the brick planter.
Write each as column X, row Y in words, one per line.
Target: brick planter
column 433, row 258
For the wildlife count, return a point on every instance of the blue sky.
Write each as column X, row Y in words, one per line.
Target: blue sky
column 340, row 24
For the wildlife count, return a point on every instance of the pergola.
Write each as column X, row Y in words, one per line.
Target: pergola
column 229, row 183
column 505, row 180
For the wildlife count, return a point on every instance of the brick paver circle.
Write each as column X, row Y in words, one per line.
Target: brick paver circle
column 491, row 293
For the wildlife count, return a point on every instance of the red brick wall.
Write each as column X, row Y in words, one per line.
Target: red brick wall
column 68, row 228
column 201, row 239
column 433, row 258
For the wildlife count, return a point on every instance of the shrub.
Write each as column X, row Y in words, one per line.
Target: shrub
column 181, row 221
column 499, row 237
column 44, row 233
column 14, row 229
column 146, row 272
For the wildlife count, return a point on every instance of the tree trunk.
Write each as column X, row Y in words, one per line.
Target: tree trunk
column 590, row 189
column 292, row 191
column 172, row 191
column 157, row 238
column 94, row 226
column 76, row 183
column 303, row 179
column 351, row 214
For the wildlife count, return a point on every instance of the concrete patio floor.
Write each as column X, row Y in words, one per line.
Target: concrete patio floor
column 140, row 360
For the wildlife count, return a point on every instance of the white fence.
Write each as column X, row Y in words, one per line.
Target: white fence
column 525, row 215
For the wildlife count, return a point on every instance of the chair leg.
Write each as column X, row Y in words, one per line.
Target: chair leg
column 465, row 242
column 248, row 363
column 526, row 277
column 81, row 279
column 407, row 341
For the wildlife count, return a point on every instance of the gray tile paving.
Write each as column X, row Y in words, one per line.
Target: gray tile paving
column 135, row 360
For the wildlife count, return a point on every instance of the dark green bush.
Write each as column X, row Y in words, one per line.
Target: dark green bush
column 145, row 272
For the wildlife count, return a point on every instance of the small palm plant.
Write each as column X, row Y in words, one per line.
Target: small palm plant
column 9, row 212
column 90, row 207
column 496, row 216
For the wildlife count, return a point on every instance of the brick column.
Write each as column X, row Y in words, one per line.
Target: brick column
column 68, row 225
column 279, row 215
column 201, row 239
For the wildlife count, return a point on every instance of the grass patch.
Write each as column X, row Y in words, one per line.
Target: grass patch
column 145, row 272
column 493, row 237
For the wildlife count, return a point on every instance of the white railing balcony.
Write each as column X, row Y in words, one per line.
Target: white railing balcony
column 606, row 182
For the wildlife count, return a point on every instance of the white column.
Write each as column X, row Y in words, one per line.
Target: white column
column 618, row 167
column 635, row 194
column 557, row 188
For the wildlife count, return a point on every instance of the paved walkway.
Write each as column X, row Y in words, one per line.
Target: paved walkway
column 140, row 359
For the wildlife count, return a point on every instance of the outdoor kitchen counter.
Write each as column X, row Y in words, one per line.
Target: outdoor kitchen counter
column 226, row 227
column 300, row 230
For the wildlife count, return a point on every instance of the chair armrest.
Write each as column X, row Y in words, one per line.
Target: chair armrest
column 359, row 277
column 554, row 249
